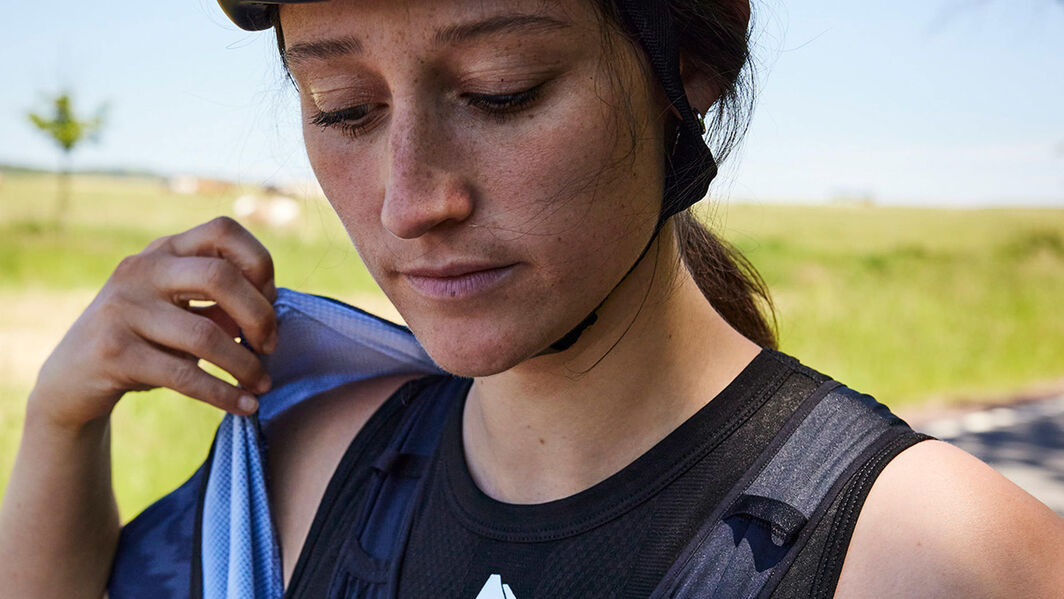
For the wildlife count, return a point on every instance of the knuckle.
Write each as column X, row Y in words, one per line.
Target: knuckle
column 263, row 268
column 265, row 259
column 110, row 347
column 218, row 275
column 128, row 266
column 158, row 243
column 111, row 316
column 204, row 333
column 224, row 226
column 184, row 375
column 110, row 309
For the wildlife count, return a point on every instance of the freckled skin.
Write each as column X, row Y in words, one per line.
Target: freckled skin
column 558, row 191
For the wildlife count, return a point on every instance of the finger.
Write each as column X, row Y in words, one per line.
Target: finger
column 219, row 317
column 158, row 243
column 174, row 328
column 157, row 368
column 224, row 237
column 218, row 280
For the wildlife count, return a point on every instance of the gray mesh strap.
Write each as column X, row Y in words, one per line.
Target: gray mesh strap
column 755, row 530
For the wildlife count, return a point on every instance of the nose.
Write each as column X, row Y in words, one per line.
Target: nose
column 424, row 189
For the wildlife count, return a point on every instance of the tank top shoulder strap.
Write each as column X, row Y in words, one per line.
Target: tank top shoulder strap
column 364, row 547
column 747, row 545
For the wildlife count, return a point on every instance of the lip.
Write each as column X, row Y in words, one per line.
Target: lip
column 457, row 281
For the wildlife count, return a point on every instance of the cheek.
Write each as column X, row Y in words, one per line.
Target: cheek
column 348, row 178
column 574, row 186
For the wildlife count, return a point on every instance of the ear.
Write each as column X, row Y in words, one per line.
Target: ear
column 702, row 92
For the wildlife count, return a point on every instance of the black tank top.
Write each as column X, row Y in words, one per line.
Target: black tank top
column 615, row 539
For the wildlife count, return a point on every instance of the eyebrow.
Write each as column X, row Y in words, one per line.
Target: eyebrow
column 453, row 34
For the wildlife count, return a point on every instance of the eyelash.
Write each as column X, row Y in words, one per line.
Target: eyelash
column 500, row 106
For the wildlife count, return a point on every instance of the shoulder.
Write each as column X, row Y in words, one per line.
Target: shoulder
column 322, row 428
column 308, row 440
column 307, row 443
column 940, row 523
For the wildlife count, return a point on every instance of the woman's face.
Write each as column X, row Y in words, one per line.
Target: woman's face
column 480, row 156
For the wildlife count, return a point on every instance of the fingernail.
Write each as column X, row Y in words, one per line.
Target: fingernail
column 264, row 384
column 271, row 343
column 247, row 403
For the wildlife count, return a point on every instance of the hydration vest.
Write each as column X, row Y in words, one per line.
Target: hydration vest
column 213, row 537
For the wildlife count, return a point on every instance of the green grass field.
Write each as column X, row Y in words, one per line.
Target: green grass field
column 911, row 305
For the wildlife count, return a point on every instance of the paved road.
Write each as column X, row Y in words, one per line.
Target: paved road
column 1024, row 442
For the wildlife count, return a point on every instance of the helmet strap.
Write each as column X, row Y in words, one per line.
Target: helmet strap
column 570, row 338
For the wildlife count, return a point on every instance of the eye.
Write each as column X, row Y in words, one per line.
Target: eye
column 502, row 105
column 351, row 121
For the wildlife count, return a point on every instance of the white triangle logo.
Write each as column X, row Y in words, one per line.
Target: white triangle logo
column 495, row 589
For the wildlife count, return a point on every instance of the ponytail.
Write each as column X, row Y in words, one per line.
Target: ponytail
column 728, row 280
column 714, row 37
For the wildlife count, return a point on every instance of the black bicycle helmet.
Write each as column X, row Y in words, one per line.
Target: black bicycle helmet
column 690, row 167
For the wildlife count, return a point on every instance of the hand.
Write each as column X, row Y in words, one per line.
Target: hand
column 140, row 331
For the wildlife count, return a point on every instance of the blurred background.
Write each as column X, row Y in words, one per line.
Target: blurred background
column 901, row 189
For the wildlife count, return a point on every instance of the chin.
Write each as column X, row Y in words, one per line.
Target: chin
column 463, row 350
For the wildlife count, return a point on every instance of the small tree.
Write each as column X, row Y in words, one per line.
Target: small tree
column 67, row 130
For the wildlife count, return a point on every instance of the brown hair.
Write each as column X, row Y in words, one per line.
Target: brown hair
column 713, row 37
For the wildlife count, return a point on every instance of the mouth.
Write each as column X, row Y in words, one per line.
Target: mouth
column 457, row 281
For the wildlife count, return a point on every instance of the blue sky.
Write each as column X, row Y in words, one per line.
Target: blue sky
column 945, row 102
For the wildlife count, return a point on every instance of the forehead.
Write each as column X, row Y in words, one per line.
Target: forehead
column 319, row 29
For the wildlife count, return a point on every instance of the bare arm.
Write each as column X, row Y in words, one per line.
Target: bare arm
column 59, row 523
column 941, row 523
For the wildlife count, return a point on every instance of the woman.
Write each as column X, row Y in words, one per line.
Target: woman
column 499, row 169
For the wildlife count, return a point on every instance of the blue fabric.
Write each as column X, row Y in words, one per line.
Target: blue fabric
column 155, row 549
column 322, row 344
column 240, row 556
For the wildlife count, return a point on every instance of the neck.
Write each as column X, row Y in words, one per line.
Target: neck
column 557, row 424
